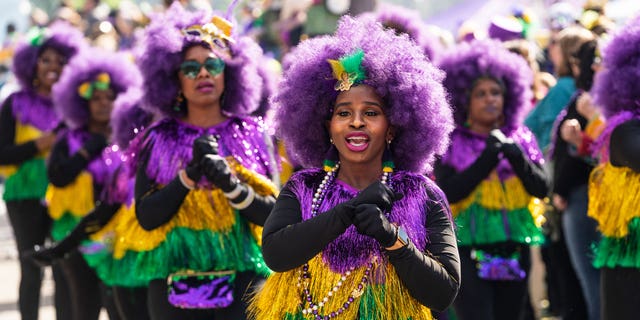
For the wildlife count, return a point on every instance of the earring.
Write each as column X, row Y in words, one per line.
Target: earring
column 330, row 157
column 179, row 100
column 331, row 140
column 387, row 159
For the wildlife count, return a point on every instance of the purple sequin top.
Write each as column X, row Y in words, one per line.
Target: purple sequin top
column 32, row 109
column 103, row 169
column 352, row 249
column 168, row 144
column 466, row 147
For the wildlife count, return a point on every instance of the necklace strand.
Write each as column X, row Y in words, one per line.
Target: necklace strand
column 304, row 278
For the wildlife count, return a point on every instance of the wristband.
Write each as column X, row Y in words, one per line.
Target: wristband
column 184, row 183
column 251, row 195
column 233, row 194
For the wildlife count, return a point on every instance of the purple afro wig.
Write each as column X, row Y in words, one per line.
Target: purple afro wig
column 404, row 20
column 268, row 71
column 164, row 46
column 128, row 118
column 415, row 101
column 60, row 36
column 73, row 108
column 617, row 87
column 469, row 61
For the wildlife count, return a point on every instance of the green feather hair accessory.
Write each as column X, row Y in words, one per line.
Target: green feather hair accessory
column 101, row 82
column 348, row 70
column 36, row 36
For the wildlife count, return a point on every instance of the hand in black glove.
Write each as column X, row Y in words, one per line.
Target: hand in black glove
column 377, row 194
column 217, row 171
column 202, row 146
column 44, row 256
column 94, row 146
column 369, row 220
column 511, row 149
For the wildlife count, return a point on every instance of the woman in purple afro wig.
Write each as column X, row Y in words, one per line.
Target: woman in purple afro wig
column 492, row 175
column 614, row 186
column 28, row 126
column 202, row 173
column 403, row 20
column 368, row 103
column 81, row 166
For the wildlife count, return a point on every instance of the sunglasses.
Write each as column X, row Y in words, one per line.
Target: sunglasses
column 191, row 68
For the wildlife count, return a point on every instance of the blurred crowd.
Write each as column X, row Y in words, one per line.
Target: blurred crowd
column 562, row 48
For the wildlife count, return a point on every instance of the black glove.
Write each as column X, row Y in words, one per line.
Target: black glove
column 511, row 150
column 377, row 194
column 202, row 146
column 369, row 220
column 44, row 256
column 94, row 146
column 217, row 171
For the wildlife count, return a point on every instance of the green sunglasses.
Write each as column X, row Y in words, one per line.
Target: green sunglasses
column 191, row 68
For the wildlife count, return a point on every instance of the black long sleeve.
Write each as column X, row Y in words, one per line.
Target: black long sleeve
column 458, row 186
column 156, row 206
column 570, row 170
column 63, row 168
column 532, row 175
column 10, row 153
column 259, row 209
column 624, row 146
column 88, row 225
column 288, row 242
column 438, row 269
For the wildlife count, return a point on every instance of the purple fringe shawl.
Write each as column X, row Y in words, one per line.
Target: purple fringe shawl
column 352, row 249
column 600, row 148
column 467, row 146
column 167, row 146
column 104, row 169
column 35, row 110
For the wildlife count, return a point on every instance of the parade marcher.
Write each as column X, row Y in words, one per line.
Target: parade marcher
column 561, row 48
column 368, row 237
column 572, row 166
column 202, row 173
column 492, row 175
column 614, row 186
column 28, row 128
column 82, row 164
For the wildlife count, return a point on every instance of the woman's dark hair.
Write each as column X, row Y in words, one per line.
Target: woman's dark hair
column 585, row 56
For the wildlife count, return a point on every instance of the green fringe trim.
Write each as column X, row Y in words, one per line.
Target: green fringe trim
column 202, row 250
column 29, row 182
column 116, row 272
column 620, row 252
column 490, row 227
column 63, row 226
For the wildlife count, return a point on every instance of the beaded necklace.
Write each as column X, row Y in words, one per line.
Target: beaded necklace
column 304, row 278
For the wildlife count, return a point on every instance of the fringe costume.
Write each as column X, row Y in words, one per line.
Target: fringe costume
column 384, row 296
column 217, row 237
column 499, row 209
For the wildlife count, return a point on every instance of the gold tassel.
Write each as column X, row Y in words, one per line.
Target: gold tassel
column 614, row 198
column 494, row 195
column 24, row 133
column 281, row 293
column 76, row 198
column 212, row 208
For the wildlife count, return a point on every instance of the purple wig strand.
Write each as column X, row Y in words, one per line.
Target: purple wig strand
column 415, row 101
column 73, row 108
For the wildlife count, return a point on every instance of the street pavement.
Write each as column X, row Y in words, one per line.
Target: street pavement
column 10, row 277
